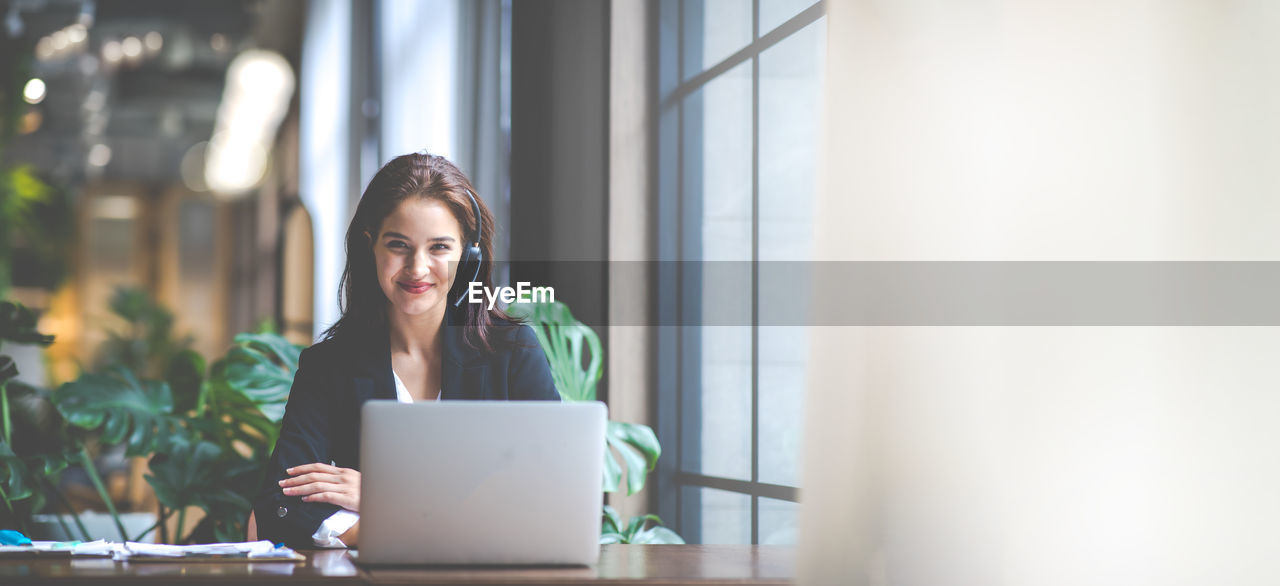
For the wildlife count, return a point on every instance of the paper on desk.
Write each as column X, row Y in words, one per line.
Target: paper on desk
column 259, row 550
column 100, row 547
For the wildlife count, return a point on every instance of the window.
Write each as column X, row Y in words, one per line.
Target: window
column 739, row 101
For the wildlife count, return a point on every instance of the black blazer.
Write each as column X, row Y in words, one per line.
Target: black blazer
column 334, row 379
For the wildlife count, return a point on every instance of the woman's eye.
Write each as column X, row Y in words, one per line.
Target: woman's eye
column 396, row 244
column 440, row 247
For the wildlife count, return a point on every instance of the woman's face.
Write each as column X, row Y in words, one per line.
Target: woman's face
column 414, row 252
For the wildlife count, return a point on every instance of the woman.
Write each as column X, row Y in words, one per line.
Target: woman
column 405, row 333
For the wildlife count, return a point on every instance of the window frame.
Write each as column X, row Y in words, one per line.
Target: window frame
column 679, row 215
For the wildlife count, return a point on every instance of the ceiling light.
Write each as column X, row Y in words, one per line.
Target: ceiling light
column 44, row 49
column 132, row 47
column 111, row 51
column 59, row 39
column 218, row 42
column 254, row 101
column 99, row 155
column 34, row 91
column 154, row 41
column 76, row 33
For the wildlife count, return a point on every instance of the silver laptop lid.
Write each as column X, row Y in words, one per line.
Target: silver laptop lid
column 472, row 482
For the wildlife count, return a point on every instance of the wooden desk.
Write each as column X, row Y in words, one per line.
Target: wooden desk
column 619, row 564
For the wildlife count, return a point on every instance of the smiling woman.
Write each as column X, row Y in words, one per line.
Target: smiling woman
column 402, row 337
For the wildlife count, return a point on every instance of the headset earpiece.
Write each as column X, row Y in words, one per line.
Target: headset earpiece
column 471, row 259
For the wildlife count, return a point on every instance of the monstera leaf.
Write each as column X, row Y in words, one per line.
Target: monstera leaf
column 193, row 473
column 40, row 448
column 8, row 369
column 185, row 375
column 563, row 339
column 639, row 449
column 15, row 477
column 121, row 407
column 18, row 324
column 260, row 367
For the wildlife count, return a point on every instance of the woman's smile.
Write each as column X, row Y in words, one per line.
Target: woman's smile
column 415, row 287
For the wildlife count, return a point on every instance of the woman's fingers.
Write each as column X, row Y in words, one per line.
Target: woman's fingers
column 314, row 487
column 323, row 483
column 312, row 477
column 342, row 499
column 315, row 467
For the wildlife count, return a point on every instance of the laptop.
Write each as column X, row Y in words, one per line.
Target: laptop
column 474, row 482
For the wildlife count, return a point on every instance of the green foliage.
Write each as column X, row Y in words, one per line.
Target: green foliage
column 208, row 430
column 196, row 473
column 638, row 447
column 18, row 325
column 564, row 340
column 36, row 222
column 146, row 345
column 14, row 475
column 118, row 406
column 636, row 531
column 261, row 367
column 19, row 473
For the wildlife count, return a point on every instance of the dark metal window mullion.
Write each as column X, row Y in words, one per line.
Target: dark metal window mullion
column 759, row 489
column 668, row 186
column 691, row 275
column 755, row 272
column 685, row 87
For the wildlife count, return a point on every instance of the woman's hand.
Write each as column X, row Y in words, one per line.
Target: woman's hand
column 322, row 483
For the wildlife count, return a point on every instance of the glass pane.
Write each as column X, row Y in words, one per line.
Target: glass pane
column 778, row 522
column 783, row 352
column 726, row 402
column 718, row 169
column 776, row 12
column 724, row 163
column 714, row 30
column 790, row 104
column 725, row 516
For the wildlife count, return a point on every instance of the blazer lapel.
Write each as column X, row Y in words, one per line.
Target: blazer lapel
column 371, row 377
column 463, row 376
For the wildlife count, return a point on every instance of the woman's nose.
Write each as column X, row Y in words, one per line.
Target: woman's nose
column 420, row 262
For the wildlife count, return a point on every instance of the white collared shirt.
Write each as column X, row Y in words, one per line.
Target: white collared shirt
column 343, row 520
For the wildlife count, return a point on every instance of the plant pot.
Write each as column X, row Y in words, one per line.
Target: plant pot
column 99, row 526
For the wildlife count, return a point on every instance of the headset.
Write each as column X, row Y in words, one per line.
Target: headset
column 472, row 257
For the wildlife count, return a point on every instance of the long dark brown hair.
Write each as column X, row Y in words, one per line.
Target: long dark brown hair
column 429, row 177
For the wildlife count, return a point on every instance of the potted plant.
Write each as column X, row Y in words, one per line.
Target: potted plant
column 576, row 358
column 206, row 431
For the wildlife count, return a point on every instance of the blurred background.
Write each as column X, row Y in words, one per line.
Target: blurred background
column 177, row 172
column 174, row 174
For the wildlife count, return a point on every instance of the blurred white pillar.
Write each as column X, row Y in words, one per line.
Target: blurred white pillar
column 325, row 144
column 1065, row 130
column 419, row 47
